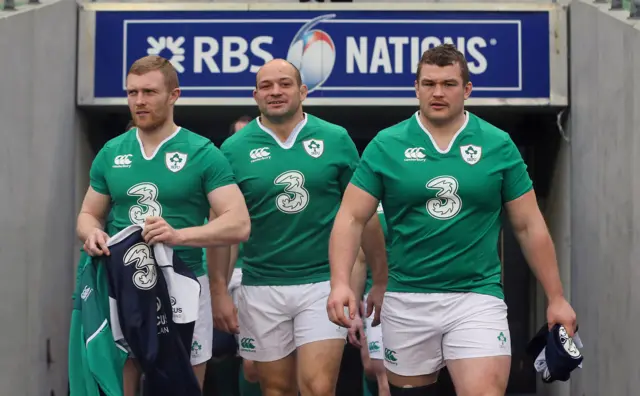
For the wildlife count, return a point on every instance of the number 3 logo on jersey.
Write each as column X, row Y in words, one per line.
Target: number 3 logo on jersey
column 146, row 275
column 148, row 204
column 447, row 203
column 295, row 197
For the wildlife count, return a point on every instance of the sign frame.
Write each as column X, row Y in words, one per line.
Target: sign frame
column 558, row 49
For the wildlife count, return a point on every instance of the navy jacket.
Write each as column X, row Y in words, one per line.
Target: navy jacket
column 153, row 300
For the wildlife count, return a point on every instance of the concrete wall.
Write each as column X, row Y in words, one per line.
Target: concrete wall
column 605, row 197
column 557, row 212
column 38, row 131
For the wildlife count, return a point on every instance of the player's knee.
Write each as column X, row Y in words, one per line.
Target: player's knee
column 319, row 386
column 250, row 372
column 426, row 390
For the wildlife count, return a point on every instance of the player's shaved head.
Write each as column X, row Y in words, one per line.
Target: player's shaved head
column 279, row 65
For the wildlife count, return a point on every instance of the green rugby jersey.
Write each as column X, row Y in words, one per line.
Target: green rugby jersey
column 172, row 183
column 443, row 207
column 293, row 191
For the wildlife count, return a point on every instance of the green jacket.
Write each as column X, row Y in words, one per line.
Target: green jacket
column 95, row 361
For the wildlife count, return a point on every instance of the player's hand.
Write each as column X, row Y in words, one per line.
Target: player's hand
column 356, row 331
column 225, row 313
column 374, row 303
column 342, row 297
column 560, row 312
column 157, row 230
column 96, row 243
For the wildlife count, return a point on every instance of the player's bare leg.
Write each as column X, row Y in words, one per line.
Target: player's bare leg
column 200, row 370
column 278, row 378
column 250, row 371
column 485, row 376
column 374, row 371
column 130, row 378
column 319, row 367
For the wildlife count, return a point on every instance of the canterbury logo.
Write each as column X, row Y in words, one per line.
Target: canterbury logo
column 414, row 154
column 390, row 356
column 259, row 154
column 122, row 161
column 247, row 343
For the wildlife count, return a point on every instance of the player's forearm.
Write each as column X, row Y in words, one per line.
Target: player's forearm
column 233, row 258
column 218, row 264
column 540, row 253
column 359, row 277
column 343, row 247
column 85, row 225
column 227, row 229
column 374, row 251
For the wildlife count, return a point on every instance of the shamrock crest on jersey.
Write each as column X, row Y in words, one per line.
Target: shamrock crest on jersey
column 175, row 161
column 471, row 154
column 313, row 147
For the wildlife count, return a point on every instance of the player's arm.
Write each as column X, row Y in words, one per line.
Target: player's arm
column 95, row 206
column 231, row 224
column 359, row 275
column 373, row 246
column 92, row 213
column 531, row 231
column 357, row 208
column 233, row 258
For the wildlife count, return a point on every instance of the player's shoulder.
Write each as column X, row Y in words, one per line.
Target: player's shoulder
column 124, row 139
column 326, row 128
column 193, row 140
column 395, row 132
column 489, row 133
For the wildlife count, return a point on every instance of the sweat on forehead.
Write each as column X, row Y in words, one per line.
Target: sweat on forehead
column 280, row 65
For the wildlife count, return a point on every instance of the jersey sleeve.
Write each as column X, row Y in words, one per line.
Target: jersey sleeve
column 516, row 181
column 217, row 171
column 351, row 158
column 367, row 176
column 97, row 173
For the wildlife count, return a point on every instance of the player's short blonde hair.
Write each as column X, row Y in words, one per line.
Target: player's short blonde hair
column 152, row 63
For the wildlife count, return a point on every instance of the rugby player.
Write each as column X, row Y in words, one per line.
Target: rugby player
column 444, row 177
column 168, row 179
column 292, row 168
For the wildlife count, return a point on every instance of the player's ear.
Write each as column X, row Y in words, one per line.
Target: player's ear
column 415, row 85
column 304, row 91
column 174, row 95
column 467, row 90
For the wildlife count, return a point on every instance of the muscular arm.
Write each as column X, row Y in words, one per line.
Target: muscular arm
column 374, row 250
column 359, row 275
column 233, row 258
column 534, row 238
column 346, row 236
column 231, row 224
column 92, row 213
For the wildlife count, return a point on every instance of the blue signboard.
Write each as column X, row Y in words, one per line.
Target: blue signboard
column 341, row 54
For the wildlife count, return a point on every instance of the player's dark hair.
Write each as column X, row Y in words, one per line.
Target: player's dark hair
column 444, row 55
column 232, row 127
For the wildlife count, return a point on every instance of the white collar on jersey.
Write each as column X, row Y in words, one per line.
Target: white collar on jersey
column 453, row 139
column 291, row 140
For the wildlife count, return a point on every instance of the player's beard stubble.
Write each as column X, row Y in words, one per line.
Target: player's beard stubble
column 281, row 116
column 154, row 119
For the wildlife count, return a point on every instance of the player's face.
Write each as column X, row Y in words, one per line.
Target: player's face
column 441, row 92
column 150, row 102
column 277, row 93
